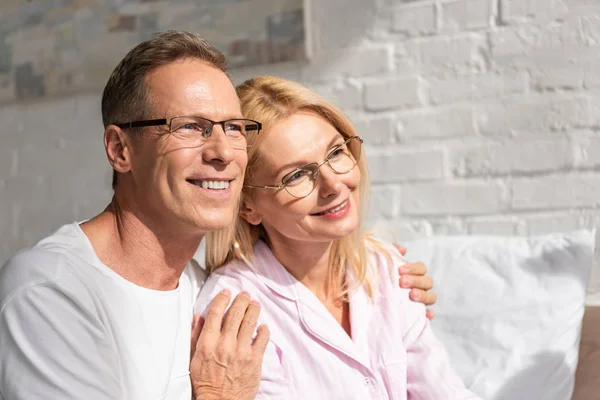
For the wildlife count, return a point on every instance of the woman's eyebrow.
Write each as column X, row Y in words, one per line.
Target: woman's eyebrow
column 289, row 167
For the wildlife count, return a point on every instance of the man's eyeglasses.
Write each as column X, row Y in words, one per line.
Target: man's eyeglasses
column 195, row 131
column 302, row 181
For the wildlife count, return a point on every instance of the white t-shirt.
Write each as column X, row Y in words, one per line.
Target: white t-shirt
column 71, row 328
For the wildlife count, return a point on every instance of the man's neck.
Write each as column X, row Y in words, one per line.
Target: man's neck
column 143, row 253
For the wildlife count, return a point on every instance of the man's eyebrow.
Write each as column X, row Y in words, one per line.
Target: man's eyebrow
column 196, row 114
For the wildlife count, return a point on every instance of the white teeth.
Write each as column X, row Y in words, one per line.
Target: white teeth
column 215, row 185
column 338, row 208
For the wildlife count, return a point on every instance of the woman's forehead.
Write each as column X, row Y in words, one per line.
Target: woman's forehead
column 300, row 134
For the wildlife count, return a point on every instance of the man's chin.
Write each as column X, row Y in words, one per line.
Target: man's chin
column 215, row 223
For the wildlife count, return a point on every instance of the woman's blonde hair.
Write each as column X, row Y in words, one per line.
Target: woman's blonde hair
column 270, row 99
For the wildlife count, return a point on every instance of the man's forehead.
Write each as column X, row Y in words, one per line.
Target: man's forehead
column 194, row 88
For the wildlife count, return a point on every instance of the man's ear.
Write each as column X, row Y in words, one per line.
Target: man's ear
column 249, row 213
column 117, row 149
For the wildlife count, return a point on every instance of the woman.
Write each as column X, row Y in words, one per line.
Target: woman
column 340, row 328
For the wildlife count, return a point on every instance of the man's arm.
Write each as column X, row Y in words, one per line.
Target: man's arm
column 414, row 276
column 226, row 360
column 52, row 347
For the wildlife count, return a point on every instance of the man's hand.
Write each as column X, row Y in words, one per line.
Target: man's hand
column 413, row 276
column 225, row 361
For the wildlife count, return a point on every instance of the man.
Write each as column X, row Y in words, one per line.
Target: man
column 103, row 309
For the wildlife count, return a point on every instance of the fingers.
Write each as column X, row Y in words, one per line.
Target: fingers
column 401, row 249
column 421, row 296
column 260, row 342
column 211, row 330
column 416, row 282
column 248, row 324
column 429, row 314
column 235, row 315
column 197, row 323
column 417, row 268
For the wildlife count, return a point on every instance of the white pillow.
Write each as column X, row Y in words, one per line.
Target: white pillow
column 509, row 309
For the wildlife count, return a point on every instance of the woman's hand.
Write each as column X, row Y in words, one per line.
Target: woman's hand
column 414, row 276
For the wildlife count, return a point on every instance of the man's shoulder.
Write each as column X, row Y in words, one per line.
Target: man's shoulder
column 56, row 260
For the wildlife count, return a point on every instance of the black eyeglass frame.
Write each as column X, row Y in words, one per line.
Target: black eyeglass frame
column 168, row 122
column 283, row 185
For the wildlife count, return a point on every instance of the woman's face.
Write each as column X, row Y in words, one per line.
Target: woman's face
column 331, row 210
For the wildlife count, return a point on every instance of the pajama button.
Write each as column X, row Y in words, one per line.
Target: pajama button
column 367, row 381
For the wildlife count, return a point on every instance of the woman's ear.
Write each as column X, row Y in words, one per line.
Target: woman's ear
column 249, row 213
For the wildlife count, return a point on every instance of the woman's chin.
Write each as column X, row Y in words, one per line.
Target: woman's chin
column 342, row 231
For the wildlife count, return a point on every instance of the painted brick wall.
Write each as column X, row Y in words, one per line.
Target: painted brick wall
column 480, row 116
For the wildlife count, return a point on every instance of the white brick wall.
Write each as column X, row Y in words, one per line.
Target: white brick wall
column 479, row 116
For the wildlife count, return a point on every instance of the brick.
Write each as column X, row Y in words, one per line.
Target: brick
column 453, row 55
column 591, row 76
column 453, row 198
column 351, row 62
column 283, row 70
column 512, row 41
column 514, row 116
column 437, row 123
column 575, row 32
column 554, row 68
column 325, row 90
column 347, row 96
column 466, row 15
column 400, row 230
column 519, row 11
column 381, row 26
column 406, row 58
column 560, row 222
column 39, row 116
column 477, row 87
column 384, row 201
column 448, row 226
column 396, row 165
column 588, row 151
column 512, row 158
column 393, row 93
column 9, row 162
column 338, row 23
column 418, row 19
column 503, row 226
column 558, row 77
column 556, row 192
column 376, row 131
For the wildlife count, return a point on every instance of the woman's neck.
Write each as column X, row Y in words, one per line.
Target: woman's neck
column 308, row 262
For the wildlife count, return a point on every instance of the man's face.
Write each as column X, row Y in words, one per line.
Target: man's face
column 170, row 175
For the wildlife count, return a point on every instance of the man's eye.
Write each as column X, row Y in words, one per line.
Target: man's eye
column 191, row 126
column 234, row 127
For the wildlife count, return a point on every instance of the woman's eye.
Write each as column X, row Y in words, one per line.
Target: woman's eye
column 336, row 153
column 296, row 176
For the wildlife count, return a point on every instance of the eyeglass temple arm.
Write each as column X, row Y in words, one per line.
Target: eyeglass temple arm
column 140, row 124
column 264, row 186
